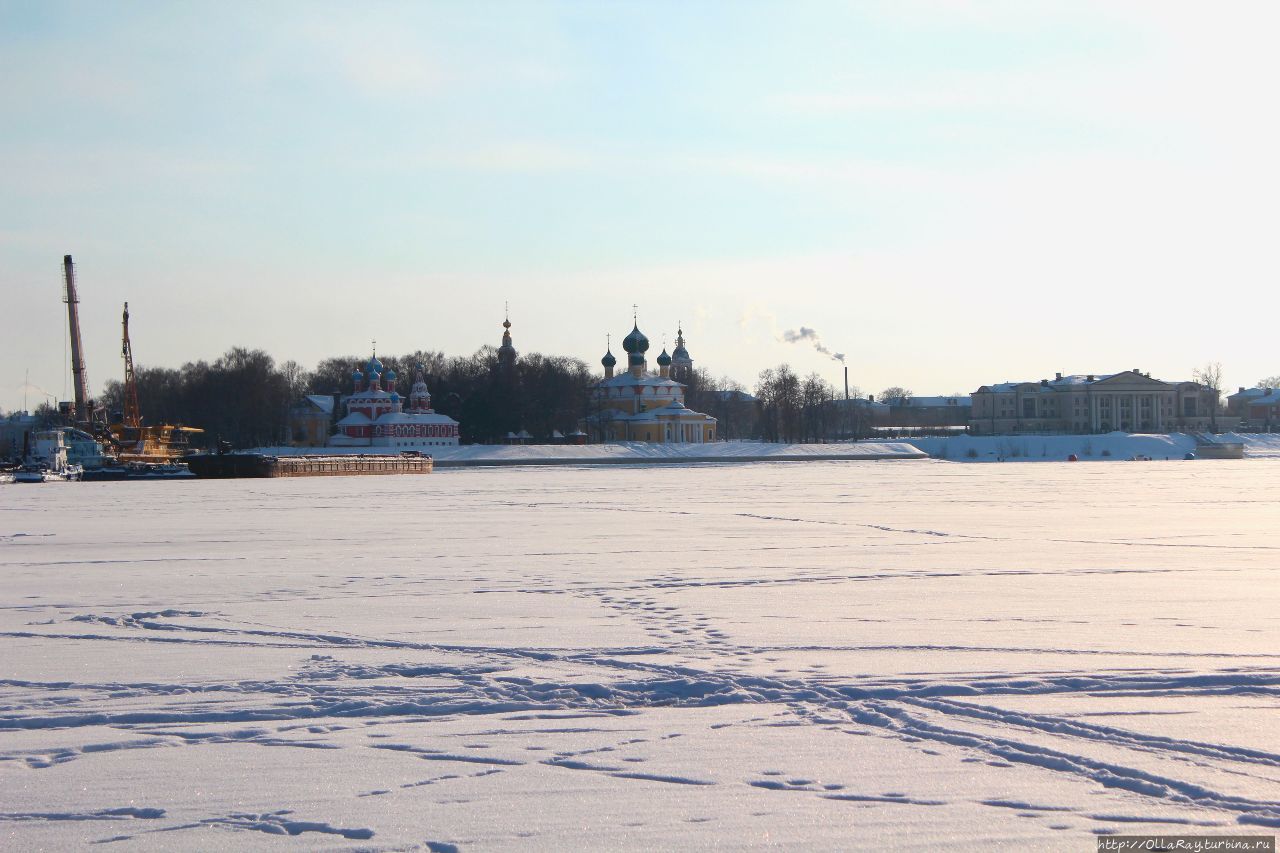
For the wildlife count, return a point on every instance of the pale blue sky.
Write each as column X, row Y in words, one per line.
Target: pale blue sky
column 952, row 194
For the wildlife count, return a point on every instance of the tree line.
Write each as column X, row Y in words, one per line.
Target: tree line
column 245, row 396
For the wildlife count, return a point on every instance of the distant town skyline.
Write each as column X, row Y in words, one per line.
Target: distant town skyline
column 947, row 194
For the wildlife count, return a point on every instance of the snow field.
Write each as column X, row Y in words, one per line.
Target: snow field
column 834, row 655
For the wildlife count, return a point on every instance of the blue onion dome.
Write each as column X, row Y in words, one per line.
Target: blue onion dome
column 389, row 376
column 608, row 360
column 374, row 366
column 395, row 398
column 635, row 342
column 664, row 360
column 356, row 374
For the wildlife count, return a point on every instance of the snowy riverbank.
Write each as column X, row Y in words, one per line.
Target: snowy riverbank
column 1056, row 448
column 632, row 453
column 1116, row 446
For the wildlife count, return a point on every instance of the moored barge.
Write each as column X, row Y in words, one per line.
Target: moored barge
column 234, row 465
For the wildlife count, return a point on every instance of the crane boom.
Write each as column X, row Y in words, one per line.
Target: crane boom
column 132, row 414
column 84, row 406
column 159, row 444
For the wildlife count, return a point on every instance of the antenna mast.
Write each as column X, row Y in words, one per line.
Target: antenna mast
column 132, row 415
column 84, row 406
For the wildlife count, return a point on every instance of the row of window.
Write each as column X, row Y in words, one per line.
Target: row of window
column 640, row 389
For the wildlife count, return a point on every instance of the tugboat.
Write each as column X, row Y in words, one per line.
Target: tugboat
column 87, row 452
column 48, row 464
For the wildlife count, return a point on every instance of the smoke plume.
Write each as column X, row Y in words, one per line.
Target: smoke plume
column 792, row 336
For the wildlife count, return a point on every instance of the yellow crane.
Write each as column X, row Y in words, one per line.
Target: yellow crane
column 134, row 442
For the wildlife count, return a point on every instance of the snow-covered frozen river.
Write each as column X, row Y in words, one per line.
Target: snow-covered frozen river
column 833, row 655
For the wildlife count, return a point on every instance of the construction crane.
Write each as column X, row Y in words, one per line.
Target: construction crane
column 160, row 444
column 132, row 416
column 128, row 439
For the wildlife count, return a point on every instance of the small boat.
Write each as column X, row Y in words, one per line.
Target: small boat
column 105, row 473
column 30, row 474
column 158, row 471
column 45, row 474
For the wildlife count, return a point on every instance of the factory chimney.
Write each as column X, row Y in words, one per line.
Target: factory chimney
column 84, row 407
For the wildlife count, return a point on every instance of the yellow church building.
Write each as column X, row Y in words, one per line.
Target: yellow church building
column 638, row 405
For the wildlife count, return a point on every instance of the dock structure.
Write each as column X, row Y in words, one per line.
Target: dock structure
column 238, row 465
column 1209, row 446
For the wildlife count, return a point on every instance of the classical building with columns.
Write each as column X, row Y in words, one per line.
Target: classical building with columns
column 638, row 405
column 1095, row 403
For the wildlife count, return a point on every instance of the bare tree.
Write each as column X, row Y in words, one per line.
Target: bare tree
column 1210, row 376
column 780, row 401
column 765, row 385
column 1269, row 382
column 296, row 379
column 816, row 396
column 852, row 420
column 333, row 375
column 724, row 399
column 894, row 394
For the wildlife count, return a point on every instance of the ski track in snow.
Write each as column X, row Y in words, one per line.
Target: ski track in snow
column 325, row 692
column 346, row 680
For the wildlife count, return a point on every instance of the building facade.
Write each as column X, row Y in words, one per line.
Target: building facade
column 311, row 420
column 15, row 434
column 1238, row 403
column 638, row 405
column 1258, row 408
column 929, row 411
column 1130, row 401
column 377, row 417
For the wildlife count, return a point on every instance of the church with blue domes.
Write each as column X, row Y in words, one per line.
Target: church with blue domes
column 378, row 417
column 639, row 405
